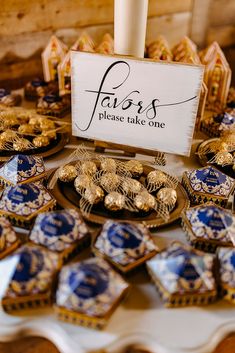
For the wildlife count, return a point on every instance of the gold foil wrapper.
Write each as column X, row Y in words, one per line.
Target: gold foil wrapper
column 67, row 173
column 135, row 168
column 46, row 124
column 108, row 165
column 131, row 186
column 157, row 177
column 10, row 122
column 8, row 136
column 82, row 182
column 50, row 134
column 88, row 168
column 94, row 194
column 26, row 129
column 110, row 181
column 41, row 141
column 167, row 196
column 114, row 201
column 144, row 201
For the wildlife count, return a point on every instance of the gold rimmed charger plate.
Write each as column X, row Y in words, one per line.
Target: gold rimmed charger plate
column 67, row 197
column 53, row 148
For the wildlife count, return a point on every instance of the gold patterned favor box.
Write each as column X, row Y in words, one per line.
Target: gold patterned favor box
column 183, row 276
column 63, row 232
column 22, row 203
column 32, row 281
column 209, row 226
column 88, row 293
column 52, row 56
column 208, row 184
column 22, row 169
column 124, row 245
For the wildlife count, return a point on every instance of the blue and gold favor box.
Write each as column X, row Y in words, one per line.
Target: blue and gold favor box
column 21, row 169
column 226, row 258
column 88, row 293
column 183, row 276
column 125, row 245
column 9, row 241
column 22, row 203
column 63, row 232
column 208, row 184
column 33, row 279
column 209, row 226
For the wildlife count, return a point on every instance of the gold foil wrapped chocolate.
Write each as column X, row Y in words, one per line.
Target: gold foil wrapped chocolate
column 8, row 136
column 114, row 201
column 94, row 194
column 41, row 141
column 108, row 165
column 157, row 178
column 51, row 134
column 131, row 186
column 26, row 129
column 144, row 201
column 82, row 182
column 10, row 122
column 67, row 173
column 46, row 124
column 110, row 181
column 88, row 167
column 167, row 196
column 135, row 168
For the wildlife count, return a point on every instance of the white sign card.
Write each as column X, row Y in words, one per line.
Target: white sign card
column 140, row 103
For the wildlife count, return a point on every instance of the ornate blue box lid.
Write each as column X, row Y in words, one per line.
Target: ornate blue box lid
column 57, row 230
column 181, row 270
column 25, row 200
column 209, row 180
column 34, row 272
column 21, row 169
column 125, row 243
column 210, row 222
column 89, row 287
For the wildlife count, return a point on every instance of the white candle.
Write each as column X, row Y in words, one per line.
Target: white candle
column 130, row 20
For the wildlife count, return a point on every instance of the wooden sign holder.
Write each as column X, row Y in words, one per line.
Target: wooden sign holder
column 127, row 151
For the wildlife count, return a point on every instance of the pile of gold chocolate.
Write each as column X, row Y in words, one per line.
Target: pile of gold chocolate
column 118, row 185
column 23, row 130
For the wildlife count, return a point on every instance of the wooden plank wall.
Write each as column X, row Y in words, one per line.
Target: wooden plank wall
column 26, row 26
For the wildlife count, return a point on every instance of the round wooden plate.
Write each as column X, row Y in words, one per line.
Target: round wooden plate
column 204, row 159
column 67, row 196
column 54, row 147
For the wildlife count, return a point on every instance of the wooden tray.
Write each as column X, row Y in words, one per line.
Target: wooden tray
column 67, row 196
column 204, row 159
column 54, row 147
